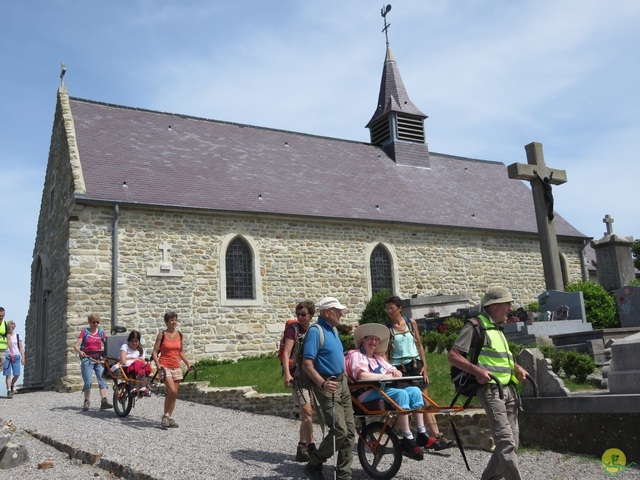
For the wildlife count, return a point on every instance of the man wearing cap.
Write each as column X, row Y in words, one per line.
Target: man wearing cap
column 495, row 359
column 322, row 363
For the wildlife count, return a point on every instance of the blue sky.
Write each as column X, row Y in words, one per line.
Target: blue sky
column 492, row 75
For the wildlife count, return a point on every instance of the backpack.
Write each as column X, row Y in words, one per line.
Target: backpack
column 302, row 379
column 392, row 332
column 296, row 327
column 86, row 334
column 465, row 383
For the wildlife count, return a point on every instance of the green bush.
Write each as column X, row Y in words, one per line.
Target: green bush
column 578, row 365
column 533, row 307
column 600, row 306
column 430, row 340
column 374, row 311
column 556, row 357
column 453, row 325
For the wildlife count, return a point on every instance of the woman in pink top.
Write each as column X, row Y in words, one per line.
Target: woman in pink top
column 89, row 345
column 167, row 353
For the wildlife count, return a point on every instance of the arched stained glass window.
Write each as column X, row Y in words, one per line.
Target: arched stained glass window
column 239, row 269
column 380, row 264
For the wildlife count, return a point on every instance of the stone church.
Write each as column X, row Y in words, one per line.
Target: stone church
column 231, row 225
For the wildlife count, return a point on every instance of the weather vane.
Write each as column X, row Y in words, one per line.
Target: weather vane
column 384, row 12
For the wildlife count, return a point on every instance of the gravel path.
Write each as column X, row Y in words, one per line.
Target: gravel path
column 213, row 443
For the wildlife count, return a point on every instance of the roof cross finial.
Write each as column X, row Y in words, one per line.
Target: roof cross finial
column 384, row 12
column 63, row 70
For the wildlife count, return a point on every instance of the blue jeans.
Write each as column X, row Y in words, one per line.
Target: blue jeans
column 408, row 398
column 87, row 367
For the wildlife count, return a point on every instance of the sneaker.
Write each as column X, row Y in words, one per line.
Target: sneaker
column 144, row 391
column 105, row 405
column 134, row 391
column 412, row 449
column 425, row 440
column 314, row 471
column 173, row 423
column 444, row 442
column 10, row 394
column 86, row 405
column 302, row 454
column 165, row 421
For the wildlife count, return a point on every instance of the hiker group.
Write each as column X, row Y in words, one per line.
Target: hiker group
column 167, row 353
column 322, row 380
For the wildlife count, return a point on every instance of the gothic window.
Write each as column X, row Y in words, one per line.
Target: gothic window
column 239, row 271
column 380, row 264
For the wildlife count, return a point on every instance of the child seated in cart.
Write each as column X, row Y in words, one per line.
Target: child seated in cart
column 134, row 364
column 366, row 363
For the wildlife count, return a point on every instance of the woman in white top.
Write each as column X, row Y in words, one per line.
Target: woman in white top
column 133, row 362
column 14, row 357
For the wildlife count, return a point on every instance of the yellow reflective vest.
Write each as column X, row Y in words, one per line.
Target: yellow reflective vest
column 495, row 355
column 3, row 335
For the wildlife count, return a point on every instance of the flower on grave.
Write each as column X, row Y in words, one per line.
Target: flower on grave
column 433, row 314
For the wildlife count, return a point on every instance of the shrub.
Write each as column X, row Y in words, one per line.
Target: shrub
column 430, row 340
column 600, row 306
column 556, row 357
column 533, row 307
column 374, row 311
column 453, row 325
column 578, row 365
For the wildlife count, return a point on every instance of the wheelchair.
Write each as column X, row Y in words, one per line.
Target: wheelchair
column 379, row 449
column 126, row 389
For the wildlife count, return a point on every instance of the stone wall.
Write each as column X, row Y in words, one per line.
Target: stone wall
column 297, row 260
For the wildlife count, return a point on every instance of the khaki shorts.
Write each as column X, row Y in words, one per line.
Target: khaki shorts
column 174, row 373
column 301, row 396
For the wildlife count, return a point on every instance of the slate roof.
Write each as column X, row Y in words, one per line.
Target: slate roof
column 179, row 161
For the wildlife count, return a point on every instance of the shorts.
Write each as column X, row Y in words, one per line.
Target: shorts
column 301, row 396
column 412, row 369
column 10, row 366
column 173, row 373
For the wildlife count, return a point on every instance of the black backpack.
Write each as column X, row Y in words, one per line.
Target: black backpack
column 465, row 383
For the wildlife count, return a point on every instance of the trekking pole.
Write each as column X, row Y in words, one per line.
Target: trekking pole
column 333, row 420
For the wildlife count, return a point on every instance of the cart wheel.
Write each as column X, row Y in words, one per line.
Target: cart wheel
column 379, row 451
column 122, row 399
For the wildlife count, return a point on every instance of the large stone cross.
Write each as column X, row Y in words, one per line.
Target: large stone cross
column 542, row 178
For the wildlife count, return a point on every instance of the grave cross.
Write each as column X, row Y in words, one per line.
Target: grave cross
column 541, row 178
column 608, row 219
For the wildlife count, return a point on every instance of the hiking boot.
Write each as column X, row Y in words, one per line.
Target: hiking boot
column 104, row 405
column 165, row 421
column 314, row 471
column 172, row 423
column 10, row 394
column 86, row 405
column 412, row 449
column 311, row 447
column 302, row 454
column 443, row 442
column 425, row 440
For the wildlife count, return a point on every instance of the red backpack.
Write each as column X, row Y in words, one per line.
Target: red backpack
column 296, row 327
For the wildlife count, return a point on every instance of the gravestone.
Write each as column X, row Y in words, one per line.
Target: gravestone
column 628, row 299
column 434, row 306
column 552, row 300
column 614, row 260
column 624, row 370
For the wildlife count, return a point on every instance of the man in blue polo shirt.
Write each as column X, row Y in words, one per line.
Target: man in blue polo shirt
column 333, row 396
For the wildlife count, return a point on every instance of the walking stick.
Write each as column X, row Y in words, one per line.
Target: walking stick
column 333, row 420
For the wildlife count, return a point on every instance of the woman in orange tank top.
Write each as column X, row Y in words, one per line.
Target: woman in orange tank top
column 167, row 353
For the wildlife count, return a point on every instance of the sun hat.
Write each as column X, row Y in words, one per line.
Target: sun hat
column 496, row 295
column 374, row 329
column 329, row 302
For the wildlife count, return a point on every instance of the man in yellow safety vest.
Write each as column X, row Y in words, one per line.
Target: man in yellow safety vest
column 494, row 359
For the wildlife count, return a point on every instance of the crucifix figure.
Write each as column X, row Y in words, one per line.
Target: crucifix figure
column 541, row 178
column 608, row 219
